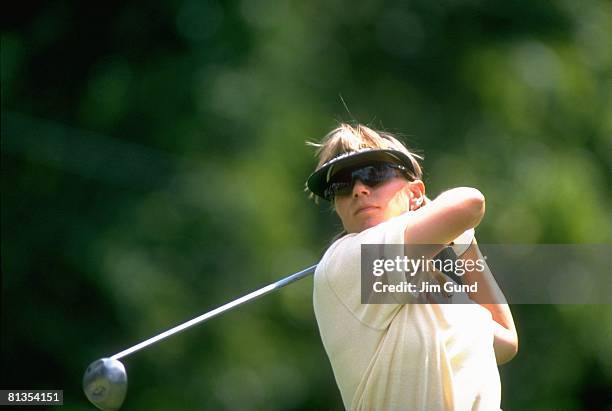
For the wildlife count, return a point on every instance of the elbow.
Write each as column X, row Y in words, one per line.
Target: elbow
column 515, row 347
column 509, row 351
column 507, row 356
column 473, row 206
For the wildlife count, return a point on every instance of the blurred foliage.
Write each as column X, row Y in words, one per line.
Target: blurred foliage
column 153, row 162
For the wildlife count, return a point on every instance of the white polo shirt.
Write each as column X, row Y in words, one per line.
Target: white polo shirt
column 393, row 357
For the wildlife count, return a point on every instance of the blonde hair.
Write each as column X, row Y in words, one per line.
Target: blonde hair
column 347, row 138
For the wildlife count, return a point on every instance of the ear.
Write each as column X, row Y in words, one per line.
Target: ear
column 416, row 192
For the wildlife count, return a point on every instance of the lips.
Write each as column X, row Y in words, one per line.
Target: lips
column 365, row 209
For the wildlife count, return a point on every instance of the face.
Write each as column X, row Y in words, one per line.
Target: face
column 368, row 206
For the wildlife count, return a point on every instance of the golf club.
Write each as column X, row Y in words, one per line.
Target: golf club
column 105, row 380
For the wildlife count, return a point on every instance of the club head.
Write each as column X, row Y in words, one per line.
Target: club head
column 105, row 384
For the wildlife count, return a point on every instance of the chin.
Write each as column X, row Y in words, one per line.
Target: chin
column 372, row 222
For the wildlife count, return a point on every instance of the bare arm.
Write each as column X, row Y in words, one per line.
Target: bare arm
column 446, row 217
column 490, row 296
column 440, row 222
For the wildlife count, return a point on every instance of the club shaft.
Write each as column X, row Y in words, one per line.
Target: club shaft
column 220, row 310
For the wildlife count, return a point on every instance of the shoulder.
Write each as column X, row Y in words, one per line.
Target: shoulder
column 338, row 247
column 346, row 251
column 387, row 232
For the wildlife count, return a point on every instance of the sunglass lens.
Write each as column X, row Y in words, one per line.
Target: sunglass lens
column 340, row 188
column 369, row 175
column 373, row 175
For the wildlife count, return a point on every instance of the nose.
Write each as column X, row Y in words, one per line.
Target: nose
column 360, row 189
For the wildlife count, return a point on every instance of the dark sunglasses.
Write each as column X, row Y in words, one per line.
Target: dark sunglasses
column 341, row 184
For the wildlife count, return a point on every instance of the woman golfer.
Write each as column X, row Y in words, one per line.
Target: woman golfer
column 403, row 357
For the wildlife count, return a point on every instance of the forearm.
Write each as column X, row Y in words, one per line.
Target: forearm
column 490, row 296
column 446, row 217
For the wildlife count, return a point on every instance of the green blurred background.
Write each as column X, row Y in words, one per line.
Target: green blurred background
column 153, row 162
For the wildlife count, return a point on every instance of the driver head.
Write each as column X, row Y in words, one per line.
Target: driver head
column 105, row 384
